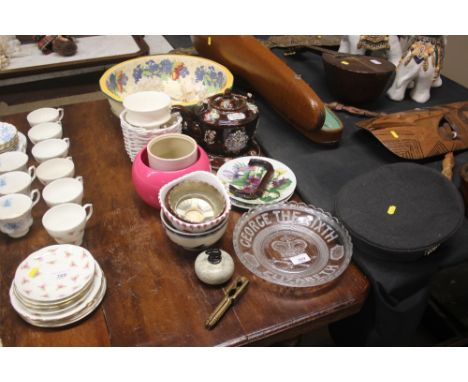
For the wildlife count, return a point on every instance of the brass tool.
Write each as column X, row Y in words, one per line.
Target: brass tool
column 235, row 290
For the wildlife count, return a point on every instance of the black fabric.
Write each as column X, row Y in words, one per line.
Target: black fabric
column 399, row 290
column 427, row 210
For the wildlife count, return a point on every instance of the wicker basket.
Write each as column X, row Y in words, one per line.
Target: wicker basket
column 135, row 138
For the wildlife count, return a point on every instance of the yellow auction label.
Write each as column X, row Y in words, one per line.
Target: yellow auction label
column 209, row 40
column 394, row 134
column 391, row 210
column 345, row 62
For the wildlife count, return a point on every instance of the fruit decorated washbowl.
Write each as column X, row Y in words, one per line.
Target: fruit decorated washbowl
column 186, row 79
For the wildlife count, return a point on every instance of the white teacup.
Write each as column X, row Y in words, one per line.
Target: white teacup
column 55, row 168
column 15, row 213
column 45, row 114
column 147, row 109
column 64, row 190
column 17, row 182
column 66, row 222
column 51, row 148
column 44, row 131
column 13, row 161
column 172, row 152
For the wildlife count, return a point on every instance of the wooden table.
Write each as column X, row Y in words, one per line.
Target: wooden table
column 153, row 296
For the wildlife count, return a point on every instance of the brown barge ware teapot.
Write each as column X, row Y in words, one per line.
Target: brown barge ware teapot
column 224, row 124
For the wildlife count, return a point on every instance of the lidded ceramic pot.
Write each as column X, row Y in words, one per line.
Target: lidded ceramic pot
column 224, row 124
column 214, row 266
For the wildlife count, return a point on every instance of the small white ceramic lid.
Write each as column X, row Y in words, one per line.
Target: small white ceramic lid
column 14, row 181
column 54, row 273
column 12, row 160
column 44, row 131
column 55, row 168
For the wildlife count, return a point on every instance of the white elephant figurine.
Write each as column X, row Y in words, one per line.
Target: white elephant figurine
column 419, row 69
column 360, row 44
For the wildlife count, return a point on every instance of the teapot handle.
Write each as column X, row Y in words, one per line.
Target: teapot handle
column 190, row 124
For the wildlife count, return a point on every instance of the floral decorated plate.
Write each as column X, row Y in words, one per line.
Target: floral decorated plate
column 292, row 244
column 187, row 79
column 239, row 174
column 54, row 273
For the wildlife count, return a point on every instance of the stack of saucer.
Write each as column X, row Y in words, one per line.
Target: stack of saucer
column 11, row 139
column 57, row 286
column 246, row 174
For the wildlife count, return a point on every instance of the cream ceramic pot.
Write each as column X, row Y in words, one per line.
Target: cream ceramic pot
column 45, row 114
column 51, row 148
column 13, row 161
column 43, row 131
column 55, row 168
column 15, row 213
column 64, row 190
column 17, row 182
column 65, row 223
column 172, row 152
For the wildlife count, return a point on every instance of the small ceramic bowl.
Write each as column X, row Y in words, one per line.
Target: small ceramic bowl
column 55, row 168
column 148, row 182
column 194, row 241
column 147, row 108
column 195, row 201
column 43, row 131
column 51, row 148
column 201, row 176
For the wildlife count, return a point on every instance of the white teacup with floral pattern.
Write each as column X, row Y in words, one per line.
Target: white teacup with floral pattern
column 17, row 182
column 15, row 213
column 13, row 161
column 66, row 222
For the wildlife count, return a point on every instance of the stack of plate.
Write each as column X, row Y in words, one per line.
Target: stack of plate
column 239, row 174
column 11, row 139
column 57, row 286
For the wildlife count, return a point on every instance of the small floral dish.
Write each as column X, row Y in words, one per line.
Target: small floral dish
column 239, row 174
column 8, row 137
column 186, row 79
column 203, row 226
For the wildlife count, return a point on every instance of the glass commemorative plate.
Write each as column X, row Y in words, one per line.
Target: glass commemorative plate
column 241, row 175
column 292, row 244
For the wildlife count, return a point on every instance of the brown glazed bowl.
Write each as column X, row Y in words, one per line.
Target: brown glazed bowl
column 357, row 80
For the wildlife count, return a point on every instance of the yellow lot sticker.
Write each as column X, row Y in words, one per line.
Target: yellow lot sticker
column 391, row 210
column 33, row 272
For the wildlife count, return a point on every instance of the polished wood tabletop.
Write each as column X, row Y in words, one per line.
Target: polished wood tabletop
column 154, row 297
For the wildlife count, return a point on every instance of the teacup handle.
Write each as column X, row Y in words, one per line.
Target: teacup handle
column 79, row 178
column 61, row 112
column 67, row 141
column 32, row 172
column 88, row 207
column 69, row 158
column 35, row 197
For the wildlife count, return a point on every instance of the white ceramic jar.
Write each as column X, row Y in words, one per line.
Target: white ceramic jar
column 214, row 266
